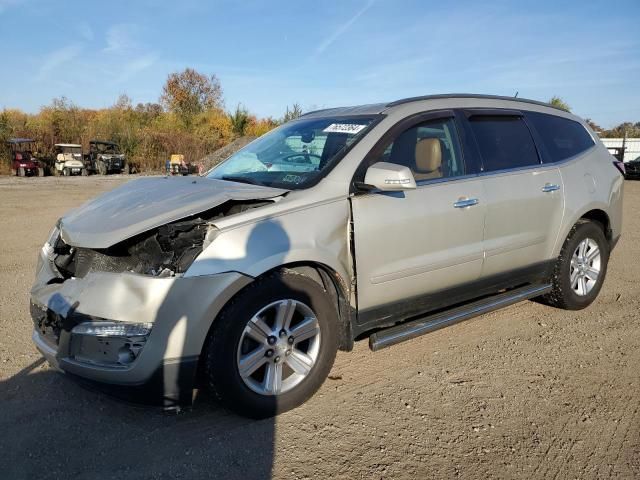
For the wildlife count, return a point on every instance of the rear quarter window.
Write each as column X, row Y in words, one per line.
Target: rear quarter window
column 504, row 142
column 562, row 138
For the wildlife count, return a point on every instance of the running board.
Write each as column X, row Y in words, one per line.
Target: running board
column 427, row 324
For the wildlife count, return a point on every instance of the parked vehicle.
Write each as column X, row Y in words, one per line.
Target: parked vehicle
column 632, row 169
column 68, row 159
column 178, row 166
column 420, row 213
column 23, row 161
column 105, row 157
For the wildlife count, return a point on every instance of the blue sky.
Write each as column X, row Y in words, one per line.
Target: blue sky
column 325, row 53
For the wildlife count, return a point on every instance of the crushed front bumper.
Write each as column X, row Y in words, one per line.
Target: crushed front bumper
column 179, row 312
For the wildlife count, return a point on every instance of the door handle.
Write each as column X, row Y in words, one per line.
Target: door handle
column 550, row 187
column 466, row 202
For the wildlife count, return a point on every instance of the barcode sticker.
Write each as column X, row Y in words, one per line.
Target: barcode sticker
column 351, row 128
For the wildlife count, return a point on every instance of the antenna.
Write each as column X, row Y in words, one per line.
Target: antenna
column 516, row 95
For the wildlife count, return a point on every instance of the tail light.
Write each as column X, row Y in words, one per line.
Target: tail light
column 620, row 166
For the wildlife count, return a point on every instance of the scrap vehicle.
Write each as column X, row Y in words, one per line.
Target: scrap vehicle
column 68, row 159
column 632, row 169
column 105, row 157
column 177, row 166
column 418, row 214
column 23, row 160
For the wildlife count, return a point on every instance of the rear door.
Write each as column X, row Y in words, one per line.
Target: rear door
column 524, row 198
column 416, row 242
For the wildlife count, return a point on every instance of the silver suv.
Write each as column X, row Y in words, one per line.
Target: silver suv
column 387, row 221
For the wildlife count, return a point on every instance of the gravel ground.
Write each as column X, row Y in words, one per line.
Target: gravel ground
column 526, row 392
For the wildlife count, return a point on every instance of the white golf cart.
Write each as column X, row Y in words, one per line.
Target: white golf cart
column 68, row 159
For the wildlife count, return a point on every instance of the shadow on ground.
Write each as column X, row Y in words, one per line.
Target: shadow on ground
column 52, row 427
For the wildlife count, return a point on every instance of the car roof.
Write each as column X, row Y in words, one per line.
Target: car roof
column 68, row 145
column 20, row 140
column 378, row 108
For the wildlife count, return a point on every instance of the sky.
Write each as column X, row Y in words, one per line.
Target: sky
column 270, row 54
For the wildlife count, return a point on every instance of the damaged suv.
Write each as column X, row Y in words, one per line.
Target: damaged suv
column 408, row 217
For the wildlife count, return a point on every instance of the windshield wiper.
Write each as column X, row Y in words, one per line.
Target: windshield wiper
column 239, row 179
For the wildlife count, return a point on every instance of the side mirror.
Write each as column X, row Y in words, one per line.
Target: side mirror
column 389, row 177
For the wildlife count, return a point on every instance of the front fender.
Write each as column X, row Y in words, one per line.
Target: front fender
column 315, row 234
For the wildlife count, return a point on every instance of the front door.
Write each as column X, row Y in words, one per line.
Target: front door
column 416, row 242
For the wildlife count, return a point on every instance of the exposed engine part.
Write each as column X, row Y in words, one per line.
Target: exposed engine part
column 163, row 252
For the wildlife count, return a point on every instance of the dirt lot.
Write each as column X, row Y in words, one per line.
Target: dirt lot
column 527, row 392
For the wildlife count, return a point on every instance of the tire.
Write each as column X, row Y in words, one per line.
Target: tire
column 21, row 172
column 229, row 342
column 576, row 297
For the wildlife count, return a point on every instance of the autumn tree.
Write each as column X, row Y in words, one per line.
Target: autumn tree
column 559, row 103
column 189, row 93
column 292, row 113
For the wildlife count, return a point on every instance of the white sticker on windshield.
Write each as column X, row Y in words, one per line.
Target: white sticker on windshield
column 351, row 128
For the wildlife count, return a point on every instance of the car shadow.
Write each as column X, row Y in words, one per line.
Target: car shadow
column 56, row 427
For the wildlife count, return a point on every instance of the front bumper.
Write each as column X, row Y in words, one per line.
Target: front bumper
column 180, row 309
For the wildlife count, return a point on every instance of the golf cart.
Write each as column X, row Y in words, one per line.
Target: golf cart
column 68, row 159
column 23, row 161
column 105, row 157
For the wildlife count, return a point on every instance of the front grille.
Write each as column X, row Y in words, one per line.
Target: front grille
column 47, row 323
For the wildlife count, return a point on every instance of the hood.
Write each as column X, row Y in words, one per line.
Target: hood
column 146, row 203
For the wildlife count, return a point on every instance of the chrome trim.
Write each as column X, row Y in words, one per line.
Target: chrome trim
column 466, row 202
column 430, row 323
column 550, row 187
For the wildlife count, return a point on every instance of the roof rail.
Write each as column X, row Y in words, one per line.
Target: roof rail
column 469, row 95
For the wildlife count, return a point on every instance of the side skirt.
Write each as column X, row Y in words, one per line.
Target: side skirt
column 430, row 323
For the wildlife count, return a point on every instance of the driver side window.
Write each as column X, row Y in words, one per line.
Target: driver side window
column 430, row 149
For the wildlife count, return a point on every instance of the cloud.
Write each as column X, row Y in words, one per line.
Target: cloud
column 342, row 28
column 119, row 38
column 85, row 31
column 57, row 58
column 137, row 65
column 5, row 4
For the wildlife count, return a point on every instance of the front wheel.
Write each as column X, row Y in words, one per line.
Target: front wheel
column 581, row 267
column 273, row 346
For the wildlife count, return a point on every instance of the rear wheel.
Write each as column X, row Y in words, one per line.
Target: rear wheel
column 272, row 346
column 581, row 267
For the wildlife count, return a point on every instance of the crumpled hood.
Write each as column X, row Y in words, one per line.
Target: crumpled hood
column 146, row 203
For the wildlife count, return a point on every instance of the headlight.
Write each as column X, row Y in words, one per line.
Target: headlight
column 113, row 329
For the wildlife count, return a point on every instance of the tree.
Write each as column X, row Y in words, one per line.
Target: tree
column 594, row 126
column 189, row 93
column 293, row 113
column 559, row 103
column 239, row 120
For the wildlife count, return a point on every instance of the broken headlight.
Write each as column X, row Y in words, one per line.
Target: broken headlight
column 113, row 329
column 108, row 344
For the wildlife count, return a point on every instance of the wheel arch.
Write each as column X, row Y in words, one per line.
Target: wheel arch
column 595, row 213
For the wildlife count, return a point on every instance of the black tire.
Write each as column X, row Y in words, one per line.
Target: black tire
column 562, row 295
column 221, row 371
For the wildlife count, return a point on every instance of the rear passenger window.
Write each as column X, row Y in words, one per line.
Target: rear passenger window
column 561, row 137
column 504, row 142
column 431, row 150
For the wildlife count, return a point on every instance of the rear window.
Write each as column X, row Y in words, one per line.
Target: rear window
column 561, row 137
column 504, row 142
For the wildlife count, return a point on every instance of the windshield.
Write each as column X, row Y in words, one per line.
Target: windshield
column 294, row 155
column 74, row 150
column 106, row 148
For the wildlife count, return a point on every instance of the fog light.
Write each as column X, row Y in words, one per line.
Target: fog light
column 113, row 329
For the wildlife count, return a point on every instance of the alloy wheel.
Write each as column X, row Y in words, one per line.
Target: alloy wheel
column 278, row 347
column 585, row 267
